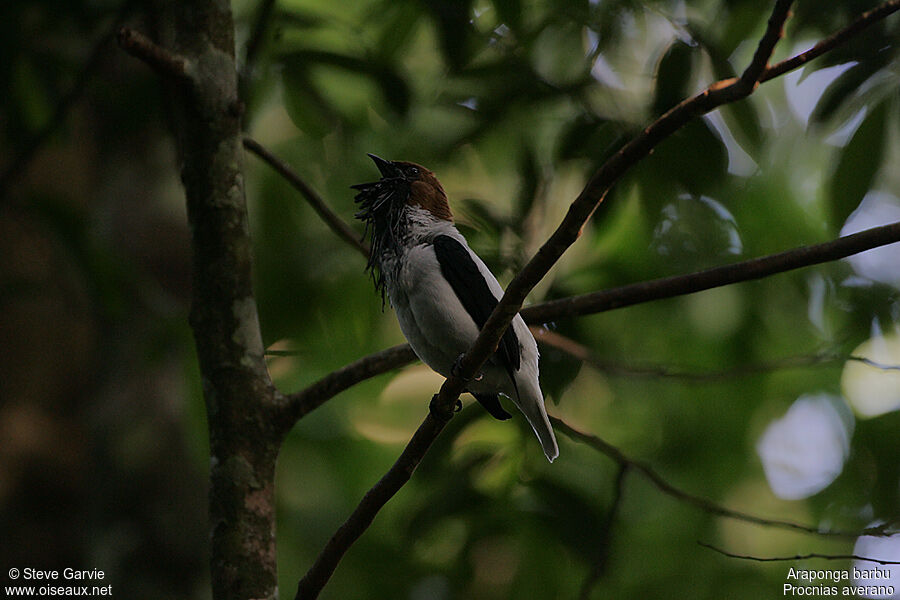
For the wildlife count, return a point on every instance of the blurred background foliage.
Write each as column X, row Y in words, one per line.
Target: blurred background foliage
column 745, row 395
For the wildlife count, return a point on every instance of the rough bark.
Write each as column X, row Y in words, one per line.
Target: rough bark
column 194, row 54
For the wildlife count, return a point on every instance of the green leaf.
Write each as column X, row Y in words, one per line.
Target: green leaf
column 299, row 65
column 30, row 94
column 294, row 18
column 740, row 117
column 694, row 157
column 530, row 176
column 558, row 369
column 454, row 30
column 574, row 520
column 737, row 24
column 858, row 165
column 510, row 12
column 401, row 19
column 743, row 122
column 590, row 136
column 394, row 89
column 673, row 74
column 843, row 88
column 306, row 108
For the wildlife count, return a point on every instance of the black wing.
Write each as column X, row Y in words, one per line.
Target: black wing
column 491, row 403
column 462, row 273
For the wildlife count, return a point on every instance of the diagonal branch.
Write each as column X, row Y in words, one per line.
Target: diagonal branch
column 799, row 556
column 337, row 225
column 508, row 307
column 702, row 503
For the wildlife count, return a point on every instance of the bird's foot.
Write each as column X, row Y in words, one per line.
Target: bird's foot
column 441, row 413
column 457, row 365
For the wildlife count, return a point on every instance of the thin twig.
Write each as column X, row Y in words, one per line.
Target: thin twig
column 702, row 503
column 774, row 32
column 584, row 354
column 163, row 61
column 297, row 405
column 874, row 364
column 337, row 225
column 798, row 556
column 836, row 39
column 680, row 285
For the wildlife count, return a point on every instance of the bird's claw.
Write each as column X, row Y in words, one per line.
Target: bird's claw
column 442, row 413
column 457, row 366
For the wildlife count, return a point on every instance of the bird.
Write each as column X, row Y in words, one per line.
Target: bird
column 443, row 293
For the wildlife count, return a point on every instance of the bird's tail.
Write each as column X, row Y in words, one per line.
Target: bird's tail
column 530, row 401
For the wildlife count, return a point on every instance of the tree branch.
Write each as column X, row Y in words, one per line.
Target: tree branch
column 334, row 222
column 834, row 40
column 165, row 62
column 296, row 406
column 774, row 32
column 747, row 270
column 798, row 556
column 702, row 503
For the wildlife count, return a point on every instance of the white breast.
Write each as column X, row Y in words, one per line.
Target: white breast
column 431, row 316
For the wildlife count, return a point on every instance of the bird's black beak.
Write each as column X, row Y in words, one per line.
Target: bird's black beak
column 386, row 167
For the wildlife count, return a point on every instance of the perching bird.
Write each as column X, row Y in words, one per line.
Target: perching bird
column 443, row 293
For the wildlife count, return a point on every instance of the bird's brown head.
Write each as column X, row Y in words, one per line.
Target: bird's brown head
column 418, row 184
column 382, row 206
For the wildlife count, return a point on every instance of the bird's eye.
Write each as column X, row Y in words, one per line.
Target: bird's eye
column 413, row 170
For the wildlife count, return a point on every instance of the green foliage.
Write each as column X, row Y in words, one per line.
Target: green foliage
column 858, row 164
column 508, row 103
column 502, row 101
column 513, row 104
